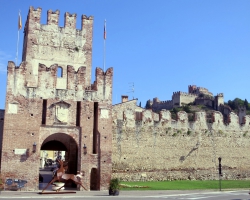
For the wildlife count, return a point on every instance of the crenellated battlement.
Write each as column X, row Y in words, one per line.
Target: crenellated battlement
column 200, row 119
column 70, row 20
column 157, row 101
column 72, row 82
column 166, row 102
column 34, row 15
column 220, row 95
column 53, row 18
column 49, row 43
column 183, row 94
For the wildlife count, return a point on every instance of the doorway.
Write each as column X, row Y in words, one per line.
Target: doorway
column 57, row 146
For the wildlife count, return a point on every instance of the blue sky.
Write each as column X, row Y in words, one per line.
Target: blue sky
column 160, row 46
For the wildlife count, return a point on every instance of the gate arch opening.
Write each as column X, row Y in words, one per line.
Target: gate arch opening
column 55, row 144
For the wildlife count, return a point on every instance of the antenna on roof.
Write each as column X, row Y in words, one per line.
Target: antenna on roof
column 131, row 88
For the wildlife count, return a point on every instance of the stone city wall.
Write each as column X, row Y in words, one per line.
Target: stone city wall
column 162, row 149
column 204, row 101
column 159, row 105
column 182, row 97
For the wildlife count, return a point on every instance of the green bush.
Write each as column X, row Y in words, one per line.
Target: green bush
column 175, row 134
column 189, row 132
column 114, row 184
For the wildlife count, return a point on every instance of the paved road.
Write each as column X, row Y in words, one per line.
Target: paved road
column 134, row 195
column 124, row 195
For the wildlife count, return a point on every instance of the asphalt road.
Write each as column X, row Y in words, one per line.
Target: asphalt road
column 133, row 195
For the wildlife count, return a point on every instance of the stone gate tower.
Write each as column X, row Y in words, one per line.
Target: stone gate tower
column 52, row 105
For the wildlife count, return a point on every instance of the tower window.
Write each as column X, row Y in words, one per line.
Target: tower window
column 78, row 113
column 44, row 111
column 138, row 116
column 59, row 72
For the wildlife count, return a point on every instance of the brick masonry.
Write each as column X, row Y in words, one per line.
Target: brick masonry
column 43, row 105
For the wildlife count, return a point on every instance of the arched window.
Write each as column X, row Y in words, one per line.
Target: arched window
column 59, row 72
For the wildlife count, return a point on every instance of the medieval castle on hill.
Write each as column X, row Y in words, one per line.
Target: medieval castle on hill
column 197, row 96
column 51, row 104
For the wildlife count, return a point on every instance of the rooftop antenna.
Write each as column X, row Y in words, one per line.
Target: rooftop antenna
column 131, row 88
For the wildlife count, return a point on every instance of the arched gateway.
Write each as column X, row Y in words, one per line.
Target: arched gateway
column 63, row 142
column 44, row 110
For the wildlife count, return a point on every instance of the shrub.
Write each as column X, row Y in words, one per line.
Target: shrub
column 114, row 184
column 175, row 134
column 245, row 134
column 189, row 132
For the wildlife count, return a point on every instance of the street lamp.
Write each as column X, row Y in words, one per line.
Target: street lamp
column 220, row 173
column 84, row 149
column 34, row 147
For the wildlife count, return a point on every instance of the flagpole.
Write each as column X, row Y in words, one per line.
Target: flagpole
column 104, row 54
column 19, row 27
column 104, row 46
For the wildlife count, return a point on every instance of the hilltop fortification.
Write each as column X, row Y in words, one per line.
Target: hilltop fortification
column 196, row 95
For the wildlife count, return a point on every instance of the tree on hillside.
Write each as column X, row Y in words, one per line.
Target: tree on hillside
column 148, row 106
column 246, row 104
column 187, row 108
column 238, row 102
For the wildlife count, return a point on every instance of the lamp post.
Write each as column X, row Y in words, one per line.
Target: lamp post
column 220, row 173
column 84, row 149
column 34, row 147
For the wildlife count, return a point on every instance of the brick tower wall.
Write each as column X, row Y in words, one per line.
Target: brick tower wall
column 49, row 44
column 41, row 106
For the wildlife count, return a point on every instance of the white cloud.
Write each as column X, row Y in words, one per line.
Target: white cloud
column 4, row 58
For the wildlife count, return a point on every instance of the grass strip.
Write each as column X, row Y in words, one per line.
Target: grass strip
column 185, row 185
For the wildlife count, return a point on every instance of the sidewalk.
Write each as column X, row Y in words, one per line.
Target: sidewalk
column 35, row 194
column 88, row 194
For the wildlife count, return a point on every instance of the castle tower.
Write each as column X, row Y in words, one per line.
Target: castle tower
column 242, row 114
column 49, row 44
column 51, row 104
column 192, row 89
column 218, row 100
